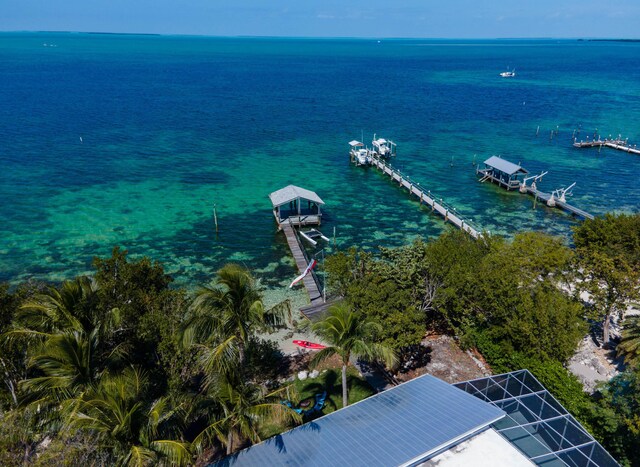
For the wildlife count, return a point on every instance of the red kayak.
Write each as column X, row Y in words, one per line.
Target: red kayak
column 309, row 345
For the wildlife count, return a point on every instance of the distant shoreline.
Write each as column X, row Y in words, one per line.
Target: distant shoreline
column 612, row 40
column 364, row 38
column 100, row 33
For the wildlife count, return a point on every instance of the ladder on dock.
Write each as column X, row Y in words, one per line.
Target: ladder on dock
column 310, row 281
column 447, row 212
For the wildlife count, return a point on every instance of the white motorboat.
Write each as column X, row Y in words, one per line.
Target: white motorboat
column 360, row 155
column 383, row 147
column 508, row 74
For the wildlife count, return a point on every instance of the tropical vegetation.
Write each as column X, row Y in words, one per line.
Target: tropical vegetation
column 121, row 369
column 124, row 368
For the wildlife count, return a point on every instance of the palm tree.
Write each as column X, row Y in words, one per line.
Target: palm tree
column 226, row 315
column 629, row 346
column 242, row 407
column 65, row 346
column 349, row 334
column 67, row 363
column 55, row 310
column 135, row 432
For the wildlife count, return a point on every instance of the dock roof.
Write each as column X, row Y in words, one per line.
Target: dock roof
column 403, row 425
column 291, row 193
column 505, row 166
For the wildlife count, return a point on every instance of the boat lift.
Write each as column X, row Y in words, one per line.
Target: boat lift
column 535, row 178
column 312, row 236
column 560, row 194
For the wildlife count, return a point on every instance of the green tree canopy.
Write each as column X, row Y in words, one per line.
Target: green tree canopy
column 609, row 258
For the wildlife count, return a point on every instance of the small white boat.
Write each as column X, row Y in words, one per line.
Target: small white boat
column 360, row 155
column 383, row 147
column 508, row 74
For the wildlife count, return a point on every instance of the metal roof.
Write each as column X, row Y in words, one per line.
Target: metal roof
column 536, row 423
column 404, row 425
column 291, row 193
column 502, row 165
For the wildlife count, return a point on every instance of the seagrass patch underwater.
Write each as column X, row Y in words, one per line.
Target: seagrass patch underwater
column 131, row 140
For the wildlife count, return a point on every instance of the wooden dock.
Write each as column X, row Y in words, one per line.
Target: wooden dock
column 315, row 312
column 440, row 207
column 559, row 204
column 302, row 261
column 619, row 144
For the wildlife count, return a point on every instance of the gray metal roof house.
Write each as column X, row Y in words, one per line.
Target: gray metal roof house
column 504, row 420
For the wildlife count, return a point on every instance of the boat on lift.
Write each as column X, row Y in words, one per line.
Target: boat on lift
column 359, row 154
column 383, row 147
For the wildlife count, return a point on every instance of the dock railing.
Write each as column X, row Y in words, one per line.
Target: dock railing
column 437, row 204
column 307, row 259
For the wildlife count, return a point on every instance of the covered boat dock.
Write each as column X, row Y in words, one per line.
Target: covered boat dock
column 502, row 172
column 293, row 205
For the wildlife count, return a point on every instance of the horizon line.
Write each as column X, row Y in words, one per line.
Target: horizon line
column 246, row 36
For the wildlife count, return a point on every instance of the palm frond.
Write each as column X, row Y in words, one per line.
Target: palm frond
column 176, row 452
column 223, row 358
column 139, row 456
column 210, row 433
column 629, row 345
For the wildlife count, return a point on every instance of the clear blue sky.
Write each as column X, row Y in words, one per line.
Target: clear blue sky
column 359, row 18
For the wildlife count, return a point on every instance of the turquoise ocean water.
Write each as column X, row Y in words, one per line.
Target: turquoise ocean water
column 130, row 140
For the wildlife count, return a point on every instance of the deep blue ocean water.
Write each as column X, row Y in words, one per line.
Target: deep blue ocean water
column 131, row 140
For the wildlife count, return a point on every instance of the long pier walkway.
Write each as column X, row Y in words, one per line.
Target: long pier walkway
column 559, row 204
column 440, row 207
column 619, row 144
column 302, row 261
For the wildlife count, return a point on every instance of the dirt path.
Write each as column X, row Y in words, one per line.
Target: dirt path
column 449, row 362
